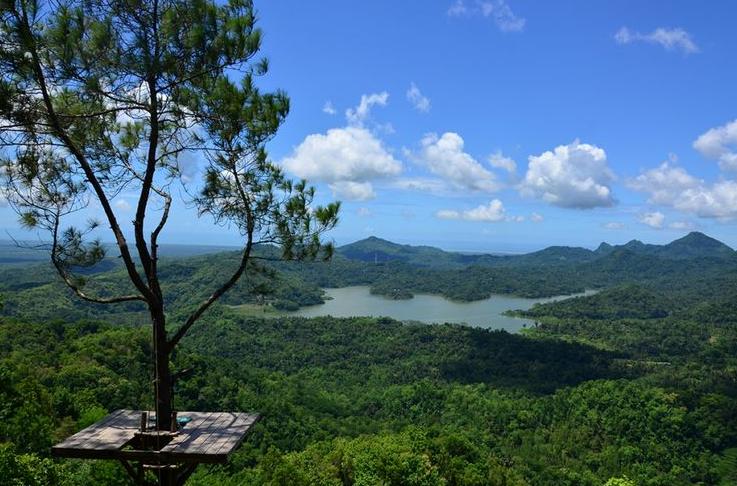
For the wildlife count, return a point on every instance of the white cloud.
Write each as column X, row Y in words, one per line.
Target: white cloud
column 342, row 154
column 665, row 183
column 329, row 108
column 347, row 158
column 500, row 161
column 364, row 212
column 418, row 100
column 356, row 116
column 719, row 143
column 492, row 212
column 670, row 39
column 674, row 187
column 353, row 191
column 122, row 204
column 654, row 219
column 571, row 176
column 444, row 157
column 536, row 218
column 498, row 10
column 716, row 201
column 614, row 225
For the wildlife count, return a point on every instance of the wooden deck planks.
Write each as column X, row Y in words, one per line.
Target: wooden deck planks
column 109, row 434
column 192, row 439
column 239, row 429
column 208, row 437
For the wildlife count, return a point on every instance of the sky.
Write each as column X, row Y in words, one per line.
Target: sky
column 503, row 125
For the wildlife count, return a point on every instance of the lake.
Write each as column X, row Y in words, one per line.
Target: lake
column 487, row 313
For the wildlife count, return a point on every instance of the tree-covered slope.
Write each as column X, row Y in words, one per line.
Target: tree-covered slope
column 372, row 401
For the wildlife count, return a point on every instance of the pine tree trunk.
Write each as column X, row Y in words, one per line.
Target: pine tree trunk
column 162, row 383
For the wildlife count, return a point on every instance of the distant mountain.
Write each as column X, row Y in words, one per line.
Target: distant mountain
column 378, row 250
column 604, row 249
column 23, row 253
column 693, row 245
column 555, row 255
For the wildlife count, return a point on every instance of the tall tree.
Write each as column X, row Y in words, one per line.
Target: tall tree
column 102, row 96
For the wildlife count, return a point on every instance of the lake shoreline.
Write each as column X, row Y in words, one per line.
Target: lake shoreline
column 489, row 313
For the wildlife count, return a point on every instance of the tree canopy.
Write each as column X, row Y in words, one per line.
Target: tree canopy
column 100, row 97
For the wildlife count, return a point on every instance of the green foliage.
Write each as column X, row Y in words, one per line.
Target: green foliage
column 18, row 469
column 632, row 385
column 360, row 401
column 622, row 302
column 619, row 482
column 106, row 95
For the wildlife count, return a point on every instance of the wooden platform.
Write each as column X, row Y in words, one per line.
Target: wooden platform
column 209, row 437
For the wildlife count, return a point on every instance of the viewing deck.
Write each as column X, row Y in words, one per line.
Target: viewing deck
column 209, row 437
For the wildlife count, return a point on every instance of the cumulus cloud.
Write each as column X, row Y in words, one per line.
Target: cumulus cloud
column 654, row 219
column 570, row 176
column 418, row 100
column 500, row 161
column 444, row 156
column 358, row 115
column 347, row 158
column 719, row 143
column 674, row 187
column 670, row 39
column 492, row 212
column 329, row 108
column 353, row 191
column 536, row 218
column 665, row 184
column 498, row 10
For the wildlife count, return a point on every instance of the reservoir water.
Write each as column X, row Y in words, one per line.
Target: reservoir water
column 487, row 313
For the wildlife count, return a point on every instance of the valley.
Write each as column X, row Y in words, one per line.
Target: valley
column 636, row 380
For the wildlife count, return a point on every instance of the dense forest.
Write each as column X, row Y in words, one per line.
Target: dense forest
column 635, row 385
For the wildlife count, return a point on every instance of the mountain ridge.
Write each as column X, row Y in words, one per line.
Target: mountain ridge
column 693, row 245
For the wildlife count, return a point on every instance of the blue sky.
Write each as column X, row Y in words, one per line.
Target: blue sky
column 505, row 125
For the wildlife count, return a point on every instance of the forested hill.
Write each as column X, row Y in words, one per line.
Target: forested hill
column 693, row 268
column 635, row 385
column 377, row 250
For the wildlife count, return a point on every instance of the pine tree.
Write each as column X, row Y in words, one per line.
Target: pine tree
column 101, row 96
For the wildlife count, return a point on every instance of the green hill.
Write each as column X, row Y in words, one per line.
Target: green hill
column 377, row 250
column 696, row 245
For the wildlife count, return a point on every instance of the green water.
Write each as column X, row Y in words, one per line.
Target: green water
column 487, row 313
